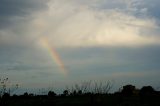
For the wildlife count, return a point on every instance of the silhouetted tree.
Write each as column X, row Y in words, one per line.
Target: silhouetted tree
column 51, row 94
column 6, row 87
column 6, row 96
column 147, row 91
column 31, row 94
column 74, row 93
column 15, row 96
column 3, row 86
column 102, row 87
column 65, row 92
column 25, row 95
column 79, row 92
column 92, row 87
column 128, row 90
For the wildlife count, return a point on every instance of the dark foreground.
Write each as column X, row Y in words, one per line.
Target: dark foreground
column 128, row 96
column 84, row 100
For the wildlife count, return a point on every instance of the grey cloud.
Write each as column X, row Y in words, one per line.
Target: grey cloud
column 113, row 59
column 115, row 4
column 114, row 62
column 23, row 59
column 135, row 7
column 145, row 8
column 11, row 9
column 152, row 7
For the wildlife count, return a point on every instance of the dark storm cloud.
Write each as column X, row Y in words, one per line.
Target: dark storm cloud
column 12, row 9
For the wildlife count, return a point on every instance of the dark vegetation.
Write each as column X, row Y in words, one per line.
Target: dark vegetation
column 84, row 94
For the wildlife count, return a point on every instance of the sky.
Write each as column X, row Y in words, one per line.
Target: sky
column 57, row 43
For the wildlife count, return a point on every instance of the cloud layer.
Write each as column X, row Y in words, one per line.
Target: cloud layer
column 98, row 23
column 82, row 23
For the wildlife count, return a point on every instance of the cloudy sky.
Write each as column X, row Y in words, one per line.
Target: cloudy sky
column 61, row 42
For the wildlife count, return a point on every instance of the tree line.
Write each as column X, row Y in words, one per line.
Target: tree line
column 85, row 93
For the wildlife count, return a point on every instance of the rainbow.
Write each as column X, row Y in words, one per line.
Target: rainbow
column 54, row 54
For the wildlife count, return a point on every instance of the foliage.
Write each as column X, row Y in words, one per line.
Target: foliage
column 128, row 90
column 51, row 94
column 85, row 94
column 6, row 87
column 90, row 87
column 147, row 91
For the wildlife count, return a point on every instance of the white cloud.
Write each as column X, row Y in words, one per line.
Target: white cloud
column 72, row 24
column 76, row 23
